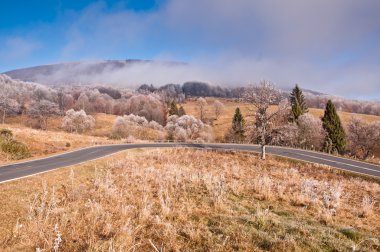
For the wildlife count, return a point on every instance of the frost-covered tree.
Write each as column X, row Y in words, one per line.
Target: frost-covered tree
column 148, row 106
column 136, row 126
column 202, row 108
column 285, row 135
column 218, row 108
column 8, row 106
column 42, row 111
column 363, row 137
column 83, row 102
column 186, row 128
column 261, row 97
column 310, row 132
column 77, row 121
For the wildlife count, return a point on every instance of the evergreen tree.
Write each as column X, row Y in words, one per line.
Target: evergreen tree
column 297, row 101
column 237, row 131
column 336, row 137
column 181, row 111
column 173, row 110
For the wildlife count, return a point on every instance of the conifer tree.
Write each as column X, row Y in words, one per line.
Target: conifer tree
column 297, row 101
column 335, row 137
column 181, row 111
column 173, row 110
column 237, row 131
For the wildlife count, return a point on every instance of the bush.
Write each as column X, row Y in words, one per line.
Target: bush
column 15, row 149
column 187, row 128
column 351, row 234
column 138, row 127
column 114, row 136
column 5, row 135
column 77, row 121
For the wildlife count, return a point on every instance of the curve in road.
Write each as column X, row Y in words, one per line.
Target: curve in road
column 19, row 170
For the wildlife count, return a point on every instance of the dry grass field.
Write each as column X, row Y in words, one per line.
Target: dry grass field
column 102, row 128
column 190, row 200
column 224, row 121
column 54, row 140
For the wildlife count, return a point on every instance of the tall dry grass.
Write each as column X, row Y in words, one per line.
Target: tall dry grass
column 194, row 200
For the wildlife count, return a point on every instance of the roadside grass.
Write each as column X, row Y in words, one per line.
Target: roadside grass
column 186, row 200
column 43, row 143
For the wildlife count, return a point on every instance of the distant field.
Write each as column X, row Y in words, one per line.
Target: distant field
column 222, row 125
column 186, row 200
column 54, row 140
column 102, row 128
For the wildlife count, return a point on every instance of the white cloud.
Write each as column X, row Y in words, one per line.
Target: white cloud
column 329, row 46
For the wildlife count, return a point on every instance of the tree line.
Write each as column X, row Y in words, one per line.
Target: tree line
column 314, row 100
column 290, row 124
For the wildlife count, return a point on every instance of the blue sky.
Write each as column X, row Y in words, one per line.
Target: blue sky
column 329, row 46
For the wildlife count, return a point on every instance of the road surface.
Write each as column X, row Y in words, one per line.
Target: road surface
column 19, row 170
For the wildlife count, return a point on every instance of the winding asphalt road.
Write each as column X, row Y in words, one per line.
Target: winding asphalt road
column 25, row 169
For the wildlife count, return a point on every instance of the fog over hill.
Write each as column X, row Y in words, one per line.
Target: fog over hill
column 127, row 73
column 132, row 73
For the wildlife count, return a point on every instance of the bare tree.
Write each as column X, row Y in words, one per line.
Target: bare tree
column 364, row 138
column 285, row 135
column 218, row 108
column 202, row 106
column 83, row 102
column 42, row 110
column 261, row 97
column 77, row 121
column 64, row 100
column 310, row 132
column 8, row 106
column 148, row 106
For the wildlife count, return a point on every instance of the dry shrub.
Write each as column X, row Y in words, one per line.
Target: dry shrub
column 13, row 149
column 367, row 206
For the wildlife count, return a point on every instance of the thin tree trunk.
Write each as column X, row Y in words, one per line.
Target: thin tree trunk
column 3, row 116
column 263, row 152
column 263, row 143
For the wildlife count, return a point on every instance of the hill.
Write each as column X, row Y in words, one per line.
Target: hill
column 84, row 72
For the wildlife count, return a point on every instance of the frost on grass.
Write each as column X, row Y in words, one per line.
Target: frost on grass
column 185, row 200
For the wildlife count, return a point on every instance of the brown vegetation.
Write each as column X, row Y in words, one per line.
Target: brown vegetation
column 42, row 142
column 179, row 199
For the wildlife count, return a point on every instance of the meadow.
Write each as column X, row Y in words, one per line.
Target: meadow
column 186, row 200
